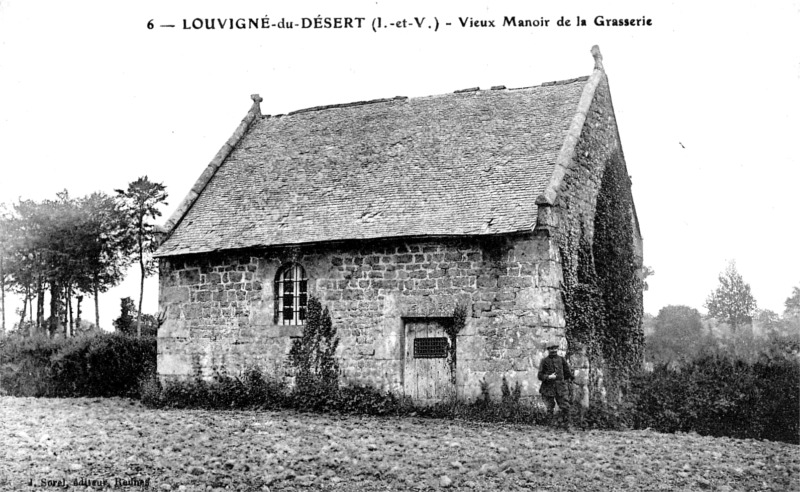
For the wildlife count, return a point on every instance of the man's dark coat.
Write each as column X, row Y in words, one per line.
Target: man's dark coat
column 558, row 365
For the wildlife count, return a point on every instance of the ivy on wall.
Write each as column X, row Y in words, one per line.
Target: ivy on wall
column 452, row 328
column 583, row 300
column 621, row 337
column 602, row 290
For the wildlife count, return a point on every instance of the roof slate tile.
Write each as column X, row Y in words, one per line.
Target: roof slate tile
column 469, row 163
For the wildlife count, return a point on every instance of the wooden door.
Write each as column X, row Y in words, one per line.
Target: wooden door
column 426, row 376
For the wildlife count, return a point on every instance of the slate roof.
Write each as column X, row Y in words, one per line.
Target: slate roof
column 466, row 163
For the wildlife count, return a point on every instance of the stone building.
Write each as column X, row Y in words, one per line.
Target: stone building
column 391, row 212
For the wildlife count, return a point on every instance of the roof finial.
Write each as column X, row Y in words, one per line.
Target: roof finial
column 256, row 103
column 598, row 58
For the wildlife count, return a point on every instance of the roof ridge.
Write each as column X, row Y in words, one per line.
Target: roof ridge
column 494, row 88
column 555, row 82
column 348, row 105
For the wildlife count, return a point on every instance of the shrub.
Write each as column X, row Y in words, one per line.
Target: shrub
column 269, row 393
column 183, row 394
column 314, row 398
column 779, row 407
column 150, row 391
column 313, row 358
column 509, row 396
column 25, row 365
column 604, row 416
column 99, row 365
column 510, row 409
column 250, row 389
column 366, row 400
column 104, row 365
column 721, row 396
column 485, row 399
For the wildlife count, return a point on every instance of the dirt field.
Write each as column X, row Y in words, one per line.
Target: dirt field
column 119, row 444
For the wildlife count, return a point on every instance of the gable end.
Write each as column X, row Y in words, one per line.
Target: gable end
column 211, row 169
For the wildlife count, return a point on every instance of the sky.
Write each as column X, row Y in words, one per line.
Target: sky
column 706, row 100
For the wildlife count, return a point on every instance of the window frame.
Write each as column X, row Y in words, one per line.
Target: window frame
column 292, row 276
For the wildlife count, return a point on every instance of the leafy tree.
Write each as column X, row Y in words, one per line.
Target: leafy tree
column 790, row 322
column 732, row 301
column 53, row 230
column 106, row 245
column 84, row 327
column 28, row 265
column 766, row 322
column 677, row 334
column 5, row 250
column 792, row 304
column 126, row 323
column 128, row 318
column 773, row 342
column 72, row 246
column 52, row 244
column 69, row 245
column 140, row 201
column 40, row 254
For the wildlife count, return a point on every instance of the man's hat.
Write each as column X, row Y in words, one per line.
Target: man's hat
column 552, row 346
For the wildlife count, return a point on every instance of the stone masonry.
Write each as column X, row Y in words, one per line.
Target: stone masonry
column 398, row 210
column 220, row 308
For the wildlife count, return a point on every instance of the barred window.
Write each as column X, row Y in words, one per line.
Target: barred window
column 431, row 348
column 291, row 295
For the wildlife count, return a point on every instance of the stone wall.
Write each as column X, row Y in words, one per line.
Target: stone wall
column 567, row 209
column 220, row 307
column 598, row 142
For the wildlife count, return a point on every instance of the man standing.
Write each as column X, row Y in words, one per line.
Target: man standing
column 554, row 372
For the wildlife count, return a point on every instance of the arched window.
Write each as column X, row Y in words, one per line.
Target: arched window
column 291, row 295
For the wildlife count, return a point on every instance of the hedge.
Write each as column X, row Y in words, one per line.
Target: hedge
column 100, row 365
column 721, row 396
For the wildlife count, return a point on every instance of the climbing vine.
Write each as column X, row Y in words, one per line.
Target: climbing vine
column 452, row 328
column 602, row 290
column 584, row 310
column 621, row 337
column 583, row 301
